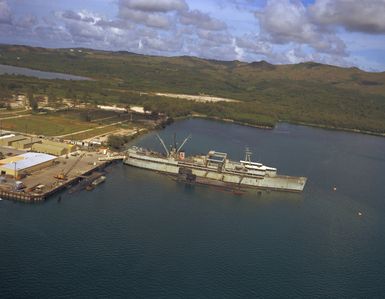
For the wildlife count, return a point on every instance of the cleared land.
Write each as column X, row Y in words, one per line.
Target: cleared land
column 47, row 125
column 199, row 99
column 89, row 134
column 76, row 124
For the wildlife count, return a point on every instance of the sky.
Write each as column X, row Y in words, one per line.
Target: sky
column 339, row 32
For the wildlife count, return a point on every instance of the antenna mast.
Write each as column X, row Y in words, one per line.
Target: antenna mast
column 175, row 141
column 248, row 154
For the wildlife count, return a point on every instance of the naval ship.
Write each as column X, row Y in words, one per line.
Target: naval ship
column 215, row 169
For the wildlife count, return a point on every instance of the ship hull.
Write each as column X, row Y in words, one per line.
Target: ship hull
column 151, row 164
column 214, row 177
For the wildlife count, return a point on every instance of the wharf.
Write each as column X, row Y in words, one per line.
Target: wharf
column 112, row 158
column 49, row 185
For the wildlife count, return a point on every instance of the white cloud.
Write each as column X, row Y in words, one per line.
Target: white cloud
column 285, row 21
column 281, row 31
column 239, row 51
column 353, row 15
column 5, row 13
column 251, row 44
column 157, row 20
column 201, row 20
column 154, row 5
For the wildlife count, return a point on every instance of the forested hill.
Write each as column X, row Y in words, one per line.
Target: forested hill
column 307, row 92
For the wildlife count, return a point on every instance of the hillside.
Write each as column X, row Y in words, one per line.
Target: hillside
column 302, row 93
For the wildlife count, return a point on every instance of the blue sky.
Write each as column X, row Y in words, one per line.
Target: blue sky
column 339, row 32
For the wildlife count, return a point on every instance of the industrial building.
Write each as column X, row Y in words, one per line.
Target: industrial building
column 6, row 135
column 49, row 149
column 7, row 141
column 69, row 147
column 53, row 147
column 112, row 108
column 21, row 165
column 25, row 143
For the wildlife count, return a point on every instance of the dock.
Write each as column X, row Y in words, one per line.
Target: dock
column 112, row 158
column 42, row 184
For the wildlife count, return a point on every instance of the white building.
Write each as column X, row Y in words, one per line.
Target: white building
column 112, row 108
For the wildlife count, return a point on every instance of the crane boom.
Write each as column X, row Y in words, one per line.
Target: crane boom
column 183, row 143
column 63, row 175
column 74, row 164
column 164, row 146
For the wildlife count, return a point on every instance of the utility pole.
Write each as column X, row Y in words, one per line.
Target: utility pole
column 14, row 174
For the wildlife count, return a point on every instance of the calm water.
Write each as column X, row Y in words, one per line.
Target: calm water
column 15, row 70
column 141, row 234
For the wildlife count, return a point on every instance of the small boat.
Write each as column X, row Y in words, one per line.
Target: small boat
column 238, row 192
column 98, row 181
column 90, row 187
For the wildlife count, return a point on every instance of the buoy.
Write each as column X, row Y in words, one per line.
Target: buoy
column 334, row 188
column 359, row 214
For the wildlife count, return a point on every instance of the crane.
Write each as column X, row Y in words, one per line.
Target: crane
column 174, row 148
column 63, row 175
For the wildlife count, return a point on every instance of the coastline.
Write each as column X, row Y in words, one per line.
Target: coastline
column 326, row 127
column 332, row 128
column 226, row 120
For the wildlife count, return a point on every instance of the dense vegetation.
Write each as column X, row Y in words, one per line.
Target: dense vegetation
column 307, row 92
column 117, row 142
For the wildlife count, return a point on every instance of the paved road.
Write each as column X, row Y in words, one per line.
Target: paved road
column 16, row 116
column 88, row 130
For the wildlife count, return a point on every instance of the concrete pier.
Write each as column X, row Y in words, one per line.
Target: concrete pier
column 50, row 185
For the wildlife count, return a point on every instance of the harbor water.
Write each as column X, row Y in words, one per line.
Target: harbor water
column 16, row 70
column 143, row 235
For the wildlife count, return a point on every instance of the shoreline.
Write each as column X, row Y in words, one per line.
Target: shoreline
column 331, row 128
column 320, row 126
column 226, row 120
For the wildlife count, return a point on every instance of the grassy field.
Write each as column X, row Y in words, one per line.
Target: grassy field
column 93, row 133
column 47, row 125
column 66, row 122
column 13, row 112
column 304, row 93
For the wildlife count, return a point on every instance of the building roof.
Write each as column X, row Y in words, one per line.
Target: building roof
column 4, row 136
column 13, row 138
column 26, row 160
column 57, row 144
column 29, row 141
column 138, row 109
column 47, row 146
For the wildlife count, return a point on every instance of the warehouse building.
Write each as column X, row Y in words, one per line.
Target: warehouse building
column 49, row 149
column 20, row 165
column 9, row 140
column 25, row 143
column 70, row 147
column 6, row 135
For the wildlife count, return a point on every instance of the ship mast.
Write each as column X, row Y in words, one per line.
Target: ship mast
column 248, row 154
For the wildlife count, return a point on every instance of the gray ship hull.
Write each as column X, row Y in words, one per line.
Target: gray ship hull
column 205, row 175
